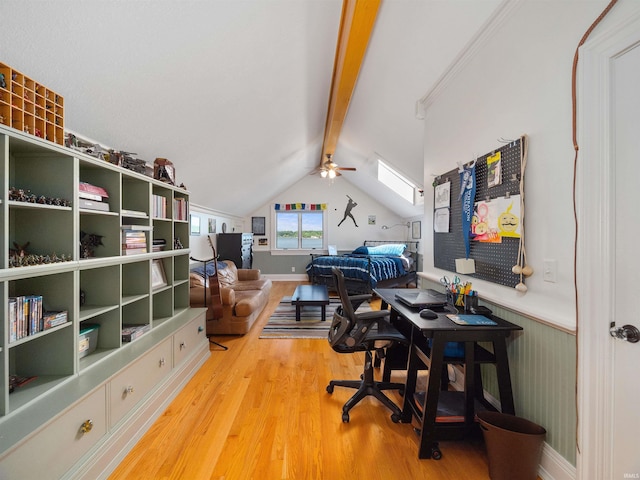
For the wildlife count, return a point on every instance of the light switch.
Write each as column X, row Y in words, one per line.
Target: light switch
column 550, row 271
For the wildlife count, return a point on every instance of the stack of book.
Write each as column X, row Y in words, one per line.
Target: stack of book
column 159, row 244
column 134, row 239
column 92, row 197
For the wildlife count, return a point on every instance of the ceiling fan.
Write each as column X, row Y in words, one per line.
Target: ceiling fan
column 331, row 169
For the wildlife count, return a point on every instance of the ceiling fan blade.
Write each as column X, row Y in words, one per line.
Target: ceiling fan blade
column 351, row 169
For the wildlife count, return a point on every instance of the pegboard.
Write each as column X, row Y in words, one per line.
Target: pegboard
column 493, row 261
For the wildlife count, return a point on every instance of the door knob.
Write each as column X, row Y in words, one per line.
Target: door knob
column 628, row 333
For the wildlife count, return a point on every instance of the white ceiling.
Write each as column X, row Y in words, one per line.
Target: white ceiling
column 235, row 92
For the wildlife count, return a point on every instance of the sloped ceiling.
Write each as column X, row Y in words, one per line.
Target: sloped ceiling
column 235, row 92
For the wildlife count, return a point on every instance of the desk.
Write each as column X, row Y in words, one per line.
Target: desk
column 440, row 331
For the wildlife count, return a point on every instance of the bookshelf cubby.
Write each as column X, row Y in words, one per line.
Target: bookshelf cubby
column 108, row 289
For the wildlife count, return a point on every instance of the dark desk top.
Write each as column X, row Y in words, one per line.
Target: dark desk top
column 442, row 323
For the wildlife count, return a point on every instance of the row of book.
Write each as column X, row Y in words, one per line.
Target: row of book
column 159, row 206
column 134, row 239
column 180, row 209
column 28, row 317
column 93, row 197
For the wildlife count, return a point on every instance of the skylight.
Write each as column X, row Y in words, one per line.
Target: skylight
column 396, row 182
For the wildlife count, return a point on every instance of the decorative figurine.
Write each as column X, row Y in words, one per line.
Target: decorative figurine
column 88, row 242
column 164, row 171
column 3, row 84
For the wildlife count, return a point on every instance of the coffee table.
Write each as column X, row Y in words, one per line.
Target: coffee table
column 310, row 295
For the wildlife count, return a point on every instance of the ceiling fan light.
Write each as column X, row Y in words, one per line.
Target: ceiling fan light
column 323, row 173
column 332, row 173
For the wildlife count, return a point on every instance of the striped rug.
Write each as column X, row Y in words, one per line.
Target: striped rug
column 282, row 323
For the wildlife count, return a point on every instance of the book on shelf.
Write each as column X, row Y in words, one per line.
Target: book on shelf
column 85, row 187
column 53, row 319
column 131, row 332
column 93, row 205
column 159, row 244
column 133, row 213
column 134, row 251
column 137, row 228
column 91, row 196
column 16, row 381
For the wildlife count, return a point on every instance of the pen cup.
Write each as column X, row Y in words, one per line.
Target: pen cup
column 470, row 302
column 451, row 297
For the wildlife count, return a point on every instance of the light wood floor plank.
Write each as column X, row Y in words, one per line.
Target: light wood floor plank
column 260, row 411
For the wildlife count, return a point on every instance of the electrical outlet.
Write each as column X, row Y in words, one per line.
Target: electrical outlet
column 550, row 271
column 293, row 269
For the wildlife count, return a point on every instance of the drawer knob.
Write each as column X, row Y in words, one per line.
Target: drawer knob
column 183, row 345
column 162, row 362
column 200, row 328
column 129, row 390
column 86, row 427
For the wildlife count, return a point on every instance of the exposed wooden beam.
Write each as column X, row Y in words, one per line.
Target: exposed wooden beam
column 356, row 25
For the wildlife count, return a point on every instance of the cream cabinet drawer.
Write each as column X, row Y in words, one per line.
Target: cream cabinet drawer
column 188, row 338
column 131, row 385
column 53, row 449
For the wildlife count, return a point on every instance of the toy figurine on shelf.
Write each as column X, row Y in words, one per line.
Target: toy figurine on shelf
column 3, row 84
column 88, row 242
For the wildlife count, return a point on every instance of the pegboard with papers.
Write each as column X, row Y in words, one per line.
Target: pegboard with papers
column 497, row 216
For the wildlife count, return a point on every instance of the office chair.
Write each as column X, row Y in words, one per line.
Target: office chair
column 362, row 332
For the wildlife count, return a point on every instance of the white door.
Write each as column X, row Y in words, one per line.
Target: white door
column 626, row 356
column 609, row 258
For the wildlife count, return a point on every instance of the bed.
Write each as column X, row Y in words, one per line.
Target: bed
column 375, row 264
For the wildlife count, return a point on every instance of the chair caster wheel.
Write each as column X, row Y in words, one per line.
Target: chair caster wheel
column 329, row 388
column 345, row 417
column 436, row 454
column 395, row 418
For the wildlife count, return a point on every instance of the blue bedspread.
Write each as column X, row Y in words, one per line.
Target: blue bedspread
column 358, row 267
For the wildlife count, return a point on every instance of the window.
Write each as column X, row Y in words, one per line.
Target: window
column 396, row 182
column 299, row 230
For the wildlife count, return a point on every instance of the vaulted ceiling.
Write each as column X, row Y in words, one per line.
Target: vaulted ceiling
column 235, row 92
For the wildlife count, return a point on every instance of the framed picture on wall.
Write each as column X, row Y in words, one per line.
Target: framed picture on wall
column 257, row 225
column 194, row 220
column 416, row 229
column 212, row 225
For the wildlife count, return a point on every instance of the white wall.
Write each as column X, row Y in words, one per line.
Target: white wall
column 199, row 244
column 314, row 189
column 518, row 81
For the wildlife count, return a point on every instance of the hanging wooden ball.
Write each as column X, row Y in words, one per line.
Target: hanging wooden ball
column 527, row 270
column 517, row 269
column 521, row 287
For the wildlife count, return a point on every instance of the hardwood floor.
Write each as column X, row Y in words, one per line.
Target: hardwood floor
column 260, row 410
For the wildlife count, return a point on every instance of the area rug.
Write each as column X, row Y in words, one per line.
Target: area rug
column 282, row 323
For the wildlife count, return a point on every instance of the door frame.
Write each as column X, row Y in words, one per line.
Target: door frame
column 595, row 206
